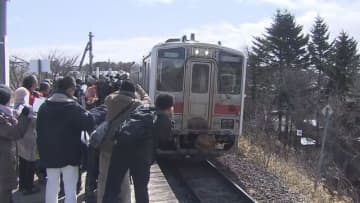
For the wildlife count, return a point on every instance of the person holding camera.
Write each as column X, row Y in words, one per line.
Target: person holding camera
column 118, row 104
column 134, row 149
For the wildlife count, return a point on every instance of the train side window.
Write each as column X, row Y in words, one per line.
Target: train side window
column 200, row 78
column 143, row 74
column 140, row 77
column 170, row 75
column 170, row 70
column 147, row 81
column 229, row 74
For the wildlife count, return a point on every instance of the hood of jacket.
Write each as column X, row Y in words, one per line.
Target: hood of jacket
column 21, row 96
column 118, row 102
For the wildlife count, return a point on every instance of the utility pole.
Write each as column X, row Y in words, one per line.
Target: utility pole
column 90, row 53
column 4, row 62
column 109, row 65
column 327, row 111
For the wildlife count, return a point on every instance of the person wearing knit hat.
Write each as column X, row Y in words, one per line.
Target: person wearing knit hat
column 27, row 148
column 11, row 130
column 5, row 94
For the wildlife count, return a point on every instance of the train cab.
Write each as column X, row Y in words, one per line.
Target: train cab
column 207, row 82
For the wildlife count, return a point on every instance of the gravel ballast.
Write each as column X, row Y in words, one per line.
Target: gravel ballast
column 259, row 183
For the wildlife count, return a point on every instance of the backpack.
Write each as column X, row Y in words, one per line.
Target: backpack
column 103, row 135
column 137, row 129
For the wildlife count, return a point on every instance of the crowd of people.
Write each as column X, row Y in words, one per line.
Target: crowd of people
column 55, row 141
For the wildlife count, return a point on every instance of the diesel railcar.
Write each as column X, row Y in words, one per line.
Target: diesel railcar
column 208, row 84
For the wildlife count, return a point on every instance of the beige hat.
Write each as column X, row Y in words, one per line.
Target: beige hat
column 21, row 96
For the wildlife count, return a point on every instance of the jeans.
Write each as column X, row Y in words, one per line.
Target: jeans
column 70, row 177
column 26, row 174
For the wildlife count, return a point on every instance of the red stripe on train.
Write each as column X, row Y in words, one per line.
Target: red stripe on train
column 179, row 108
column 219, row 109
column 227, row 109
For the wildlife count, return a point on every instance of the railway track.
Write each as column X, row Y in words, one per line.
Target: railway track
column 202, row 182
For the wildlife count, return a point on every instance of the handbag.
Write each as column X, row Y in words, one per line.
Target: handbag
column 104, row 130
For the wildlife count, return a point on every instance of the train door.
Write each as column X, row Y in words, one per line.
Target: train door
column 199, row 89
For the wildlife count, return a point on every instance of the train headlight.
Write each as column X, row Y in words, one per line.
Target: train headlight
column 202, row 52
column 227, row 123
column 197, row 52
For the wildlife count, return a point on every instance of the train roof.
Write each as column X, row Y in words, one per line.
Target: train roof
column 178, row 42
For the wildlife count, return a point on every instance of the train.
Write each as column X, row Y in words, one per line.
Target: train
column 207, row 82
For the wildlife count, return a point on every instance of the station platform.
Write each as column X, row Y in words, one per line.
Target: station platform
column 159, row 189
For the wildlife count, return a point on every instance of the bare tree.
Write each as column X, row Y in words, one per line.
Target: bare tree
column 19, row 68
column 62, row 65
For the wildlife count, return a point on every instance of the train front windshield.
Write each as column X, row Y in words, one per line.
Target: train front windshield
column 229, row 73
column 170, row 69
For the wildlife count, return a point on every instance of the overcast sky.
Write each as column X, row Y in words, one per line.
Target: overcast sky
column 127, row 29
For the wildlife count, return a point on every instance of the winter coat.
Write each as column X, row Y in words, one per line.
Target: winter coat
column 99, row 114
column 163, row 128
column 10, row 131
column 117, row 102
column 27, row 148
column 59, row 124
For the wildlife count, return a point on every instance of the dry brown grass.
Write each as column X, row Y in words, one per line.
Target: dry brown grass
column 290, row 172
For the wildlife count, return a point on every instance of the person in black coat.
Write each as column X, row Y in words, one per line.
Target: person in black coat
column 139, row 159
column 59, row 124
